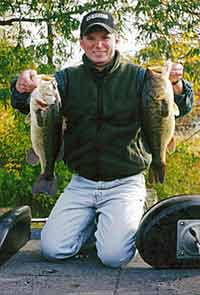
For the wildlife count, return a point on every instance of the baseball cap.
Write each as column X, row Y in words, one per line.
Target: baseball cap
column 97, row 18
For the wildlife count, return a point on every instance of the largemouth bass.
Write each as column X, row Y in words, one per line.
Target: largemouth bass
column 46, row 132
column 158, row 118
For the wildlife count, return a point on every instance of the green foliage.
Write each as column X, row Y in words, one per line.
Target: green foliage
column 45, row 69
column 183, row 173
column 13, row 59
column 157, row 18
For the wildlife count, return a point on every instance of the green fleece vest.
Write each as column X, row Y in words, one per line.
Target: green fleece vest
column 103, row 136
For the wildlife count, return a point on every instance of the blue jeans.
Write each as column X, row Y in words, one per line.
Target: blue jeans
column 119, row 205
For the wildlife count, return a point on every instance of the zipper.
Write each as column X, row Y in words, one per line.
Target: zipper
column 99, row 121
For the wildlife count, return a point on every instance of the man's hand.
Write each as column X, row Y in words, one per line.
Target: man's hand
column 175, row 77
column 27, row 81
column 176, row 73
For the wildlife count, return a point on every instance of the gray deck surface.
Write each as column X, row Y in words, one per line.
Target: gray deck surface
column 27, row 272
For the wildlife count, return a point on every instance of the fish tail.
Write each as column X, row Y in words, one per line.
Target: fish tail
column 171, row 147
column 162, row 172
column 45, row 185
column 157, row 173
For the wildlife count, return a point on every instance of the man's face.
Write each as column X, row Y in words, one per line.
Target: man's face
column 99, row 46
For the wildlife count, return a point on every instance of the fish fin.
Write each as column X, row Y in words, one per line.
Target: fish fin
column 44, row 185
column 171, row 147
column 176, row 110
column 157, row 173
column 31, row 157
column 167, row 68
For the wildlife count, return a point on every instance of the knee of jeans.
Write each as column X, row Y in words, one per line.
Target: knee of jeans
column 49, row 250
column 115, row 257
column 53, row 250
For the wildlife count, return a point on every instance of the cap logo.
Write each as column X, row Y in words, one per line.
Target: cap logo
column 97, row 15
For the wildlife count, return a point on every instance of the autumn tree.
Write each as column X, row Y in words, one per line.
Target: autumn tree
column 170, row 29
column 159, row 18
